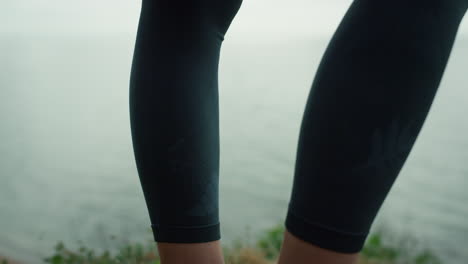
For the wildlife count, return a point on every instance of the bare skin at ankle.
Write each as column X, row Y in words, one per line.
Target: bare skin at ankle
column 193, row 253
column 297, row 251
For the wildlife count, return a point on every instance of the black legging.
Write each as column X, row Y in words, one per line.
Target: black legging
column 368, row 102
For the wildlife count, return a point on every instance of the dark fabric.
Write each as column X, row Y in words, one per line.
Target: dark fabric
column 368, row 102
column 174, row 114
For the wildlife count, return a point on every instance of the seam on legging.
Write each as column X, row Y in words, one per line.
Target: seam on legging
column 185, row 227
column 327, row 227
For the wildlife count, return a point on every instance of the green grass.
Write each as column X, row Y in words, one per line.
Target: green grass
column 381, row 247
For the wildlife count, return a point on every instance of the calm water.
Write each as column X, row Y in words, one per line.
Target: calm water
column 68, row 172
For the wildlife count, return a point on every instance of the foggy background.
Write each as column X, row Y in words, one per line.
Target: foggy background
column 89, row 17
column 67, row 170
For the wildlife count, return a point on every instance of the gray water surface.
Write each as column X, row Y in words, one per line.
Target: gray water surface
column 68, row 171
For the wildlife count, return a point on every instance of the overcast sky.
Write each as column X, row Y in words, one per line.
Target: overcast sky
column 278, row 17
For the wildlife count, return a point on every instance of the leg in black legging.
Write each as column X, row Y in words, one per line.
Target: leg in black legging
column 368, row 102
column 174, row 114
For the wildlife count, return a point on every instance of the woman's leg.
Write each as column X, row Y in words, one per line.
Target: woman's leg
column 295, row 250
column 370, row 97
column 175, row 122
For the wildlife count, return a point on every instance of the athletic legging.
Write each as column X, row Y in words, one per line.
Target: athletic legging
column 370, row 97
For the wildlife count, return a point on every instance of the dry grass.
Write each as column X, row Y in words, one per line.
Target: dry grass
column 8, row 261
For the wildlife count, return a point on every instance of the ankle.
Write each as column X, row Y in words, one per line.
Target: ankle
column 297, row 251
column 193, row 253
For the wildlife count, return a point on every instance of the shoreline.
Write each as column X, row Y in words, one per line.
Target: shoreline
column 381, row 247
